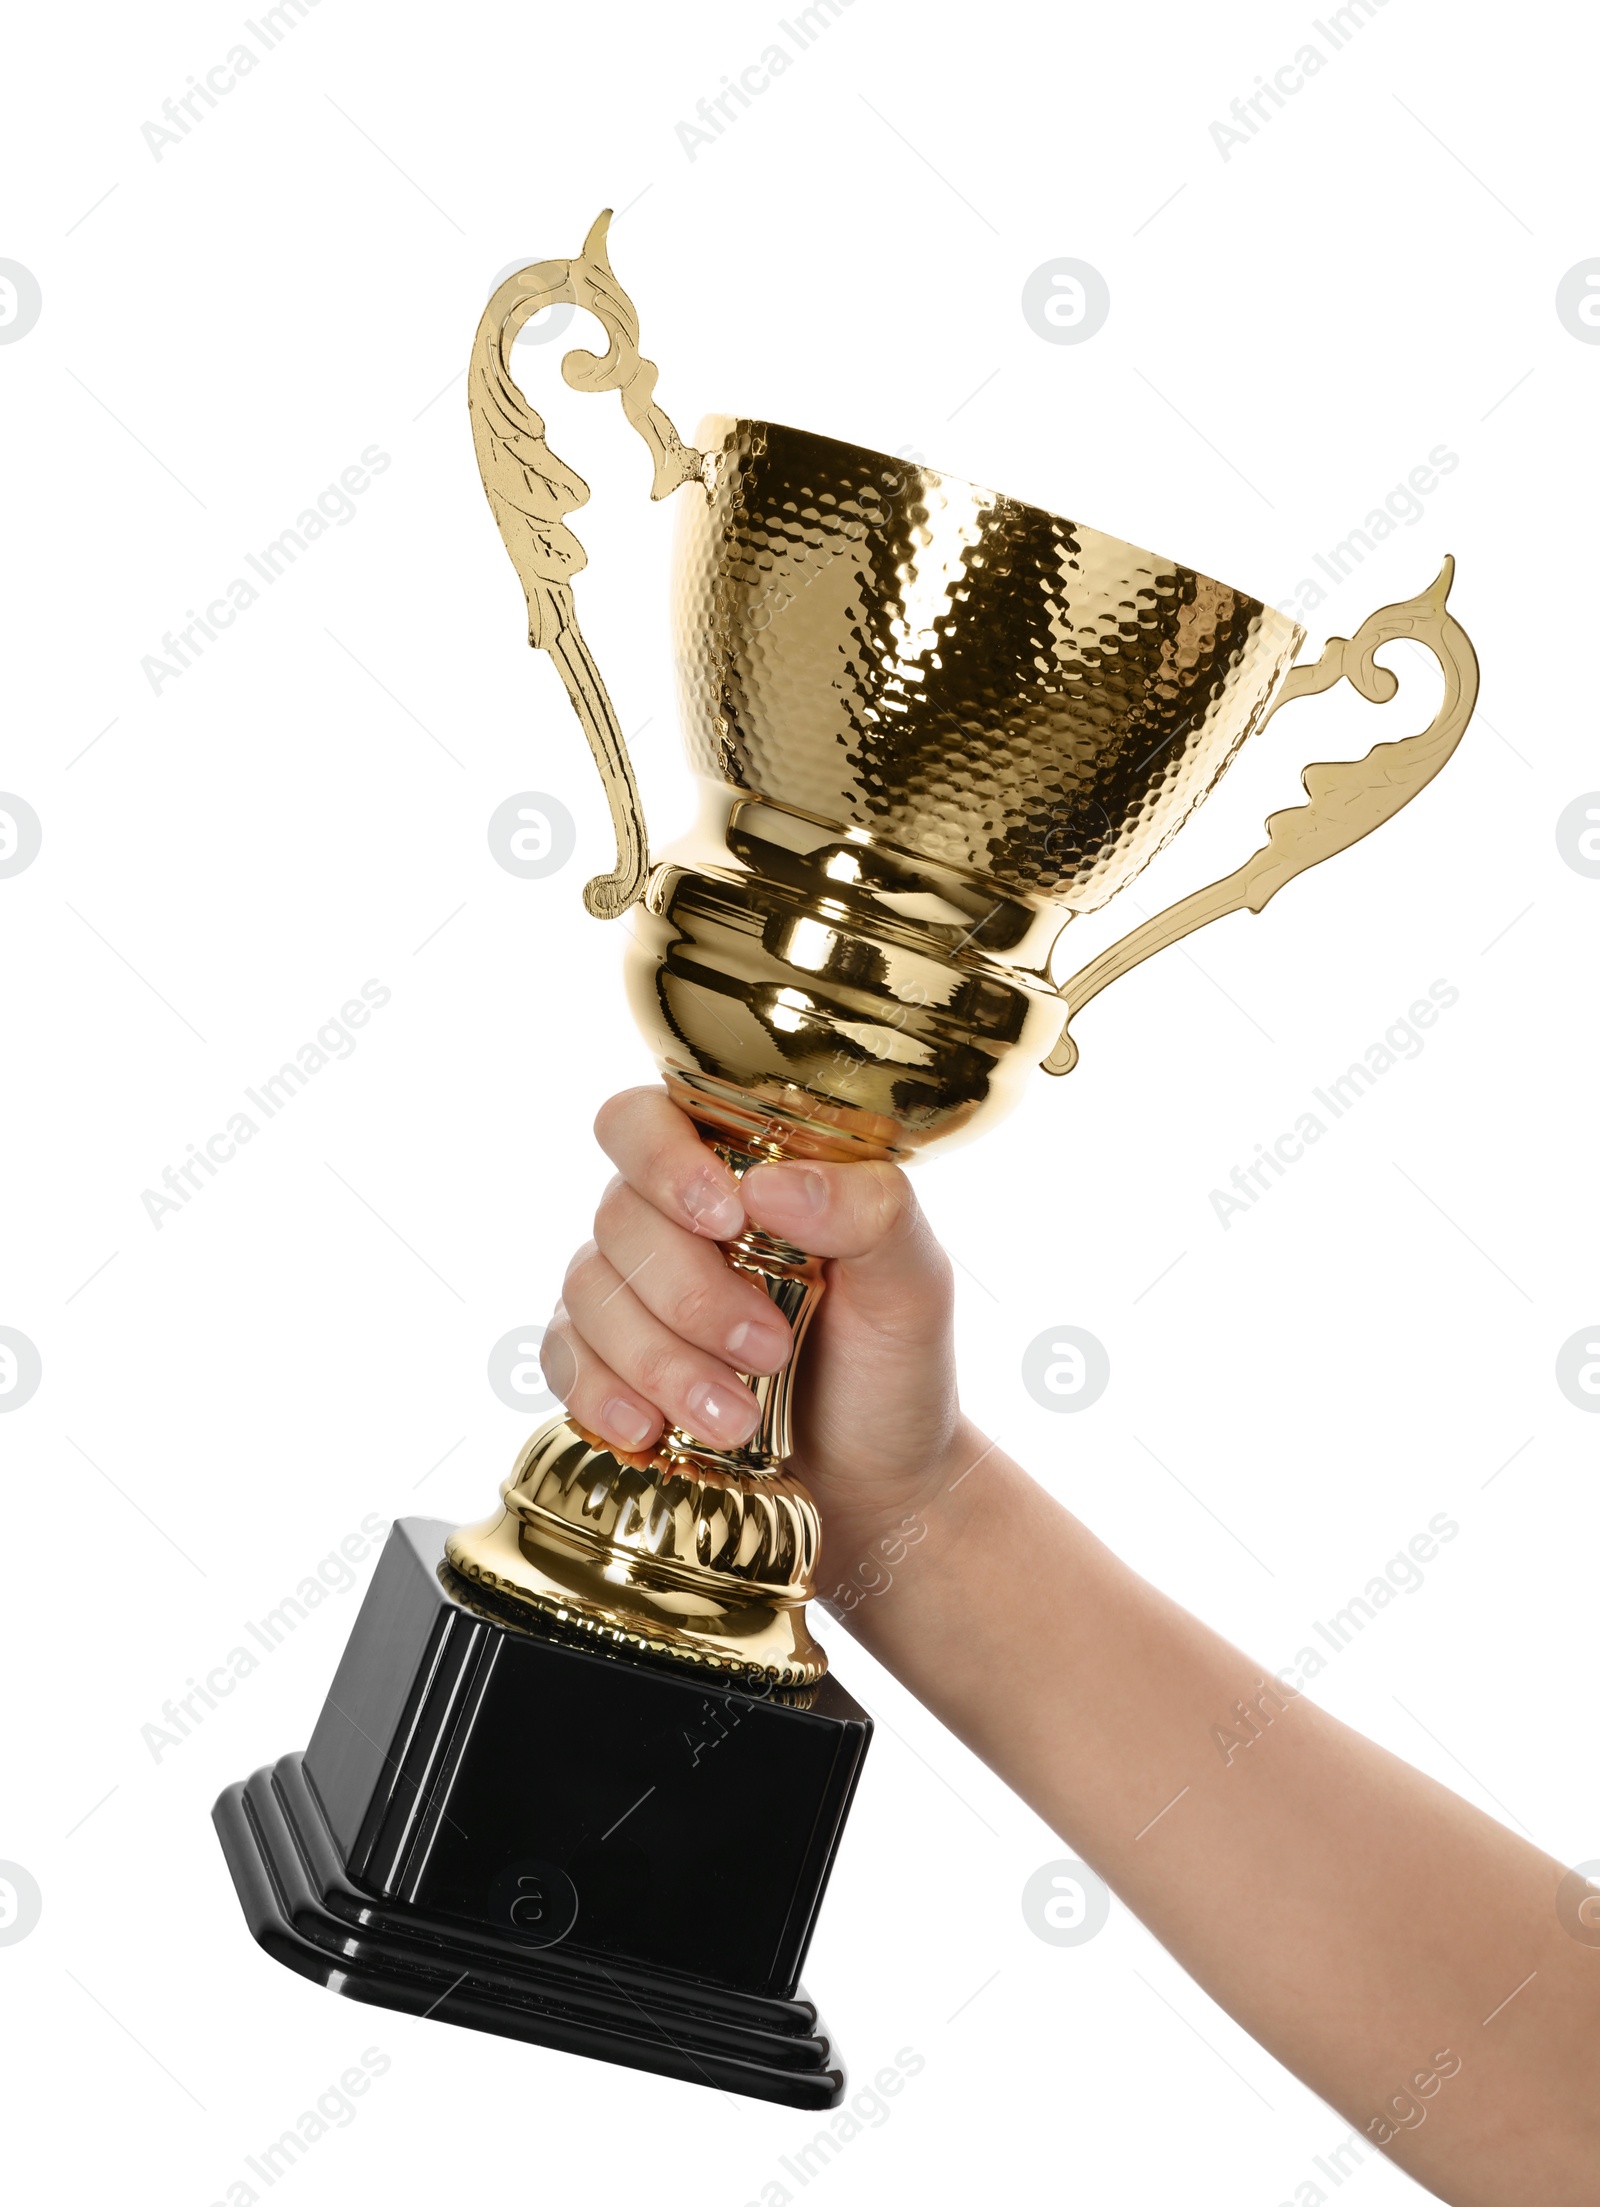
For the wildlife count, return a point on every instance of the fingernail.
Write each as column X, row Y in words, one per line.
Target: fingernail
column 624, row 1421
column 714, row 1207
column 800, row 1190
column 720, row 1414
column 755, row 1346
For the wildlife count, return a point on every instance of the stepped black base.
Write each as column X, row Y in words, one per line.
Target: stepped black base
column 303, row 1909
column 497, row 1828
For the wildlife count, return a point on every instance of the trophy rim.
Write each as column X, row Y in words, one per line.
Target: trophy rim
column 717, row 426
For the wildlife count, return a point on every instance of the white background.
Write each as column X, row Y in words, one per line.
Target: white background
column 299, row 278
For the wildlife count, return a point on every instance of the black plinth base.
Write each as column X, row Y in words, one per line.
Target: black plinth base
column 303, row 1909
column 498, row 1828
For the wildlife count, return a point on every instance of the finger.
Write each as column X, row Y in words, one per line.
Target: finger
column 657, row 1151
column 696, row 1391
column 686, row 1282
column 592, row 1392
column 865, row 1213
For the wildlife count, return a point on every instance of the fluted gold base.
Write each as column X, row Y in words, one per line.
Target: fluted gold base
column 665, row 1554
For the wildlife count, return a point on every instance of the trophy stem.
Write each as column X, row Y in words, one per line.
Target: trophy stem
column 793, row 1282
column 700, row 1554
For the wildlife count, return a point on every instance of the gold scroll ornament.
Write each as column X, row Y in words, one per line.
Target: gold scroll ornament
column 1347, row 799
column 530, row 491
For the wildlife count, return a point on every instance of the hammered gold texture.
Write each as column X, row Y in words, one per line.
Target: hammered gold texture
column 965, row 676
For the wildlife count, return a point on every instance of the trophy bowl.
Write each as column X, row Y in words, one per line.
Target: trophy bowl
column 930, row 724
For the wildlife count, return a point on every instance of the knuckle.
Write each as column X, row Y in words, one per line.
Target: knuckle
column 614, row 1206
column 584, row 1274
column 658, row 1371
column 582, row 1400
column 692, row 1307
column 559, row 1362
column 607, row 1119
column 893, row 1206
column 663, row 1175
column 616, row 1114
column 942, row 1273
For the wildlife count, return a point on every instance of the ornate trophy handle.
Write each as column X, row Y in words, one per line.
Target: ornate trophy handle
column 1348, row 800
column 530, row 490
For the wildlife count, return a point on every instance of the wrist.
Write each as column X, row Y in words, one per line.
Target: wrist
column 870, row 1540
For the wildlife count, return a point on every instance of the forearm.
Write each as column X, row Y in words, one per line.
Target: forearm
column 1354, row 1916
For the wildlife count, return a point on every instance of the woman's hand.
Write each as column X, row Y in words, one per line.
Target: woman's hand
column 654, row 1326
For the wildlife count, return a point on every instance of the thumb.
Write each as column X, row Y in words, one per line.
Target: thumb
column 866, row 1217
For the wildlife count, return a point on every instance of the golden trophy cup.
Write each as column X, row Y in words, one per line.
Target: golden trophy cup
column 930, row 725
column 582, row 1773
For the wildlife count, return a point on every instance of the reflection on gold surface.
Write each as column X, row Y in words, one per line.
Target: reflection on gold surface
column 672, row 1556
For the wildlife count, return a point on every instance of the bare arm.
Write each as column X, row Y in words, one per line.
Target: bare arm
column 1389, row 1943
